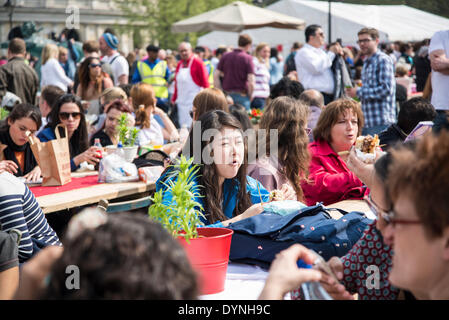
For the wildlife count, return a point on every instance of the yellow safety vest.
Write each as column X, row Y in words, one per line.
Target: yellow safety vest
column 211, row 72
column 155, row 77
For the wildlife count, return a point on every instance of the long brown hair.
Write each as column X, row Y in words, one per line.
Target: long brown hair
column 289, row 117
column 84, row 76
column 209, row 99
column 143, row 95
column 213, row 211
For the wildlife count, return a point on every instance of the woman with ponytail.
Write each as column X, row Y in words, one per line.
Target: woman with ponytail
column 151, row 132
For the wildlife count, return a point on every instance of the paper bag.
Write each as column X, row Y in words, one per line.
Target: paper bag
column 53, row 158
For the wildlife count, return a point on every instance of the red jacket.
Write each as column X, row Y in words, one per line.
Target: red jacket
column 198, row 72
column 330, row 179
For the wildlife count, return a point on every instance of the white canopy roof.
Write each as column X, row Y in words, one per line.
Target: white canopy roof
column 394, row 22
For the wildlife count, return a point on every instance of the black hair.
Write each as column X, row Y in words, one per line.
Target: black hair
column 24, row 110
column 286, row 87
column 79, row 141
column 310, row 31
column 152, row 48
column 128, row 257
column 240, row 113
column 217, row 119
column 413, row 111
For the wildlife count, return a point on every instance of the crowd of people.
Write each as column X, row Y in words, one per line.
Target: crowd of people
column 318, row 102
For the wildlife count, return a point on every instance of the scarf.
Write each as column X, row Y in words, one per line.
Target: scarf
column 30, row 161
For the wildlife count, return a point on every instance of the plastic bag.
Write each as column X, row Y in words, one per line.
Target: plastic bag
column 114, row 168
column 284, row 207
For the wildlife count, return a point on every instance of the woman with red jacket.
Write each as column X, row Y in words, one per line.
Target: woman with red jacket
column 330, row 180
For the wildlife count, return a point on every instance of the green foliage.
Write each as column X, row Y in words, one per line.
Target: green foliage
column 3, row 113
column 155, row 17
column 127, row 135
column 183, row 215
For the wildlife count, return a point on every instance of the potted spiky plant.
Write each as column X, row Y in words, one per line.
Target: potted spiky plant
column 207, row 248
column 127, row 137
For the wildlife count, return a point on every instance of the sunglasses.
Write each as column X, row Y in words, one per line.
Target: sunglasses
column 388, row 216
column 66, row 115
column 94, row 65
column 363, row 41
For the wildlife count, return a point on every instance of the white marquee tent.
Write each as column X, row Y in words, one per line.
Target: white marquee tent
column 394, row 22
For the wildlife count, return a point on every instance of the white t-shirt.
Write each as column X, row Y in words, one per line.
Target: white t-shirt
column 440, row 82
column 53, row 74
column 152, row 135
column 119, row 66
column 314, row 68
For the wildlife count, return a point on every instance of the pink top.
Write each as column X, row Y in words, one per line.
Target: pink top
column 265, row 170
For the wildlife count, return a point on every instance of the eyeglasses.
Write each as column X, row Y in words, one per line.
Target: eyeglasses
column 94, row 65
column 388, row 216
column 308, row 131
column 363, row 41
column 66, row 115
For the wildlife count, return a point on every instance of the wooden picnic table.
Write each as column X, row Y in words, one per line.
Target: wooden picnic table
column 91, row 195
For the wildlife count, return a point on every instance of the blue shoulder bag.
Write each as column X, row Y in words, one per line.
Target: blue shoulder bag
column 257, row 240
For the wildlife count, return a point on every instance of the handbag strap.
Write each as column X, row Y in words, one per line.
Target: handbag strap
column 57, row 134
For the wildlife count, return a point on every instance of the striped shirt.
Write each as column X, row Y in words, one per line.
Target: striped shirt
column 378, row 91
column 20, row 210
column 262, row 77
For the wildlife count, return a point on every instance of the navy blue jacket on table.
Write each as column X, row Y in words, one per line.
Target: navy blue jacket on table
column 48, row 134
column 230, row 191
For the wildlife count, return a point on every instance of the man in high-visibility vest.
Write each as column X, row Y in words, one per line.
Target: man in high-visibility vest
column 155, row 72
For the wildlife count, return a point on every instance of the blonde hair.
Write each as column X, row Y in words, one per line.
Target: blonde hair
column 50, row 51
column 143, row 94
column 62, row 50
column 111, row 94
column 259, row 48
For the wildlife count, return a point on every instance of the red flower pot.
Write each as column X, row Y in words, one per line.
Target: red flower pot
column 209, row 255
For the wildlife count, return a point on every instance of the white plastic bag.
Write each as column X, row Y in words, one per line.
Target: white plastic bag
column 114, row 168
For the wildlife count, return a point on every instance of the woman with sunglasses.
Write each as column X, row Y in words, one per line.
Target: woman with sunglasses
column 285, row 167
column 93, row 81
column 16, row 156
column 69, row 112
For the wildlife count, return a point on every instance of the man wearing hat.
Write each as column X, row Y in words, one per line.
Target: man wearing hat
column 120, row 68
column 154, row 71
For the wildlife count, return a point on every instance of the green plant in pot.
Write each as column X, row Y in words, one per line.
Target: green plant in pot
column 207, row 248
column 127, row 137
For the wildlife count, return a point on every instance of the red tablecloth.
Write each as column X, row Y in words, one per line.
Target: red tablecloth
column 76, row 183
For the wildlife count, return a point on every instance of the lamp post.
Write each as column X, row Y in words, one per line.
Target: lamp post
column 329, row 22
column 10, row 4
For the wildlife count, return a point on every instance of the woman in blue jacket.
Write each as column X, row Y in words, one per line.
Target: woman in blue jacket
column 217, row 143
column 69, row 112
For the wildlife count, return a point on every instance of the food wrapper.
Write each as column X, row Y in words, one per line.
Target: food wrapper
column 366, row 148
column 150, row 174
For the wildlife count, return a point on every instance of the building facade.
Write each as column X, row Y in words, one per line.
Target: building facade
column 88, row 17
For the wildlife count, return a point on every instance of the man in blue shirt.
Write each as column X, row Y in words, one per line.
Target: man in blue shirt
column 378, row 91
column 155, row 72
